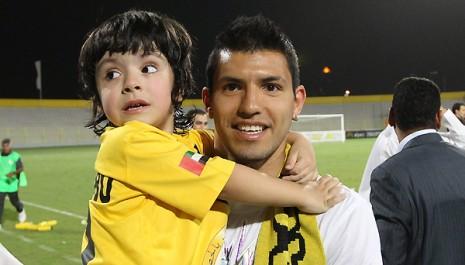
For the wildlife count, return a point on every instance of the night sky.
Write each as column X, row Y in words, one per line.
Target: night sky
column 369, row 44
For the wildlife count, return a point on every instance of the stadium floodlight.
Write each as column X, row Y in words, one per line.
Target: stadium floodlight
column 321, row 127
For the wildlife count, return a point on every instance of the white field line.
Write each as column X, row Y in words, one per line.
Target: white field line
column 43, row 207
column 75, row 260
column 40, row 246
column 47, row 248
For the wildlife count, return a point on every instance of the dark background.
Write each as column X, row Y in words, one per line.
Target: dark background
column 369, row 44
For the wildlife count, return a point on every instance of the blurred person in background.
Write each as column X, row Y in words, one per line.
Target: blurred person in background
column 11, row 167
column 387, row 145
column 199, row 118
column 459, row 110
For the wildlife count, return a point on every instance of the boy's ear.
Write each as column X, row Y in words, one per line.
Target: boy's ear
column 206, row 101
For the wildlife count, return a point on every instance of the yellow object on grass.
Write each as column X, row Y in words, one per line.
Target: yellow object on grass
column 42, row 226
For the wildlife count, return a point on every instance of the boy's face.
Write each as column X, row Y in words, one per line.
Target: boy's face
column 136, row 87
column 252, row 104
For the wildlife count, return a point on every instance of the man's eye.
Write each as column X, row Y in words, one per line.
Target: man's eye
column 112, row 75
column 148, row 69
column 231, row 87
column 272, row 87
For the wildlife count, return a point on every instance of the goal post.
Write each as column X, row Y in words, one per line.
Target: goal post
column 321, row 127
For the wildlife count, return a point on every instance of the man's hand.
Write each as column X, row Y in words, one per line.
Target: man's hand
column 327, row 190
column 11, row 174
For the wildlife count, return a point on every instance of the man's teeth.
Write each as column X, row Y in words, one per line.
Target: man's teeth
column 251, row 128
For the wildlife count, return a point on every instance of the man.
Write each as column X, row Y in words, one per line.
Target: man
column 199, row 118
column 459, row 110
column 253, row 94
column 11, row 167
column 387, row 144
column 418, row 194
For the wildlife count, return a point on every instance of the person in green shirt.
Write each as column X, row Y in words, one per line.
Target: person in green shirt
column 11, row 167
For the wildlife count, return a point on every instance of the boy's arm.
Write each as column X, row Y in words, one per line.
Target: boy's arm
column 301, row 161
column 250, row 186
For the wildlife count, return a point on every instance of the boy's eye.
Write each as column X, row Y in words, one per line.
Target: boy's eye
column 112, row 75
column 149, row 69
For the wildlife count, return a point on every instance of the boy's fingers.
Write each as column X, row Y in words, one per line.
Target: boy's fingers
column 292, row 177
column 336, row 199
column 291, row 160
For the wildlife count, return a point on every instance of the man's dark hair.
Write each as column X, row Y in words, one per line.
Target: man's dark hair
column 135, row 31
column 6, row 141
column 457, row 106
column 251, row 34
column 194, row 112
column 415, row 103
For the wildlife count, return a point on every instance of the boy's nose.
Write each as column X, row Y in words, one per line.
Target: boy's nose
column 129, row 89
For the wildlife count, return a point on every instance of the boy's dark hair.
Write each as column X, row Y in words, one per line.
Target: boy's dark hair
column 132, row 32
column 250, row 34
column 457, row 106
column 6, row 141
column 415, row 103
column 194, row 112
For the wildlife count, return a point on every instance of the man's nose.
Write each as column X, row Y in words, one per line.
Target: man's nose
column 250, row 102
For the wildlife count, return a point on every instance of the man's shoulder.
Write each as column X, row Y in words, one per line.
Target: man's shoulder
column 352, row 205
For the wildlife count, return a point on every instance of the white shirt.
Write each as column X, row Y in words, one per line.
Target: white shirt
column 348, row 232
column 387, row 144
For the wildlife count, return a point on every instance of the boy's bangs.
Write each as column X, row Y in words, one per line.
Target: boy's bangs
column 123, row 43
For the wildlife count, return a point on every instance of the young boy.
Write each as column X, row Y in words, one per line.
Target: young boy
column 155, row 200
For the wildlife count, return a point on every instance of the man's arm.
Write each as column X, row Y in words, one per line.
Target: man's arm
column 456, row 133
column 385, row 146
column 392, row 210
column 19, row 169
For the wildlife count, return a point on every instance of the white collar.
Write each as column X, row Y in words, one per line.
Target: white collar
column 413, row 135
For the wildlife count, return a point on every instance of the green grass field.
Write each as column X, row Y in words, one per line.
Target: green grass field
column 61, row 182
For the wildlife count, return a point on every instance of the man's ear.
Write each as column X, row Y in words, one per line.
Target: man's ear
column 206, row 101
column 392, row 118
column 299, row 101
column 438, row 119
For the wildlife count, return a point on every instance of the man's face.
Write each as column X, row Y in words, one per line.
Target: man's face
column 200, row 122
column 460, row 113
column 252, row 104
column 6, row 148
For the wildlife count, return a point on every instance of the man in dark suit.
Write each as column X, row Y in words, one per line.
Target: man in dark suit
column 418, row 195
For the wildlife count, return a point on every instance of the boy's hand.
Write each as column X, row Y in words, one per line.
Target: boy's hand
column 324, row 193
column 301, row 162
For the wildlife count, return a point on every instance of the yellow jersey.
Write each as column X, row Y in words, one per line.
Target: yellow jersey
column 155, row 200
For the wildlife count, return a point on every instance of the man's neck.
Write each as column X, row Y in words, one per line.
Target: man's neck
column 271, row 166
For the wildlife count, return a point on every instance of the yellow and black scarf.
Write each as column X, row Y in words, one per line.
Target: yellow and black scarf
column 289, row 237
